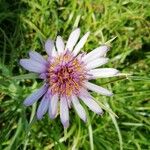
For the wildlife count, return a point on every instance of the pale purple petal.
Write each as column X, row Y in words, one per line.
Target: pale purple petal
column 81, row 43
column 79, row 108
column 53, row 106
column 103, row 73
column 50, row 48
column 54, row 52
column 64, row 112
column 43, row 75
column 97, row 89
column 44, row 104
column 60, row 44
column 73, row 38
column 36, row 95
column 96, row 63
column 69, row 103
column 96, row 53
column 37, row 57
column 89, row 101
column 33, row 66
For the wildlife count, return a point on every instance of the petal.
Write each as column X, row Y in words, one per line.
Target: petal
column 97, row 89
column 53, row 106
column 54, row 52
column 43, row 75
column 33, row 66
column 73, row 38
column 78, row 107
column 103, row 73
column 50, row 48
column 96, row 53
column 37, row 57
column 35, row 96
column 81, row 43
column 64, row 112
column 97, row 63
column 43, row 107
column 88, row 100
column 60, row 44
column 69, row 103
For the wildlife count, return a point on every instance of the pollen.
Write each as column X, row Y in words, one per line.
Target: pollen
column 66, row 74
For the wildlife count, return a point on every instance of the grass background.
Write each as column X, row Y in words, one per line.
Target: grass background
column 26, row 24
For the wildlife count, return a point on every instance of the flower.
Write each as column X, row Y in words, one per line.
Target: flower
column 66, row 75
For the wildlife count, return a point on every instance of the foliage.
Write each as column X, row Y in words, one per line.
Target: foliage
column 26, row 24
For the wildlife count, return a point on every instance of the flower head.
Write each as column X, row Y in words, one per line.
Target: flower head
column 66, row 75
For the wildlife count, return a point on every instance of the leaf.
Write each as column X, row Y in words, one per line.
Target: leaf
column 25, row 76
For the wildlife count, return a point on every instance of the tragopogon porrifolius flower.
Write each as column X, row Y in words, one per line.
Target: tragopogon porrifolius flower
column 66, row 74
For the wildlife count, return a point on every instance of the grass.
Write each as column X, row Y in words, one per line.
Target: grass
column 26, row 24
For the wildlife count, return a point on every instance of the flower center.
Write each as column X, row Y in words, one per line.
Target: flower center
column 66, row 74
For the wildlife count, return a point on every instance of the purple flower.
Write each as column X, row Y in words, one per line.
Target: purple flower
column 66, row 75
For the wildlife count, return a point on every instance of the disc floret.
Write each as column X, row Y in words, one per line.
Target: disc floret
column 66, row 74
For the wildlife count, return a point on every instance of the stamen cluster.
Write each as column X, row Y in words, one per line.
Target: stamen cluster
column 66, row 74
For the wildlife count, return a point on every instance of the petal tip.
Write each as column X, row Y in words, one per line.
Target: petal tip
column 66, row 124
column 88, row 33
column 30, row 52
column 85, row 120
column 117, row 72
column 25, row 103
column 21, row 62
column 39, row 117
column 52, row 116
column 110, row 94
column 105, row 48
column 77, row 30
column 100, row 112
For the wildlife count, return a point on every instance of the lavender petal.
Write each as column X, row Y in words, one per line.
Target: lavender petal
column 33, row 66
column 89, row 101
column 49, row 44
column 43, row 107
column 35, row 96
column 37, row 57
column 64, row 112
column 53, row 106
column 78, row 107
